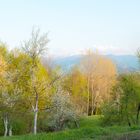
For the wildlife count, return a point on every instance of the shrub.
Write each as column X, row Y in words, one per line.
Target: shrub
column 62, row 113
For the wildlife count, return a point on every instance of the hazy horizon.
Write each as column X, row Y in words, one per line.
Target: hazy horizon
column 111, row 27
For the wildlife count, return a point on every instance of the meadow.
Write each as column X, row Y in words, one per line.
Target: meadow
column 90, row 128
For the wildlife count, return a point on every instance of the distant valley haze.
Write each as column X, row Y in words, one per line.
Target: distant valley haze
column 124, row 63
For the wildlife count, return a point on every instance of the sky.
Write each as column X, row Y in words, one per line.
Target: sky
column 109, row 26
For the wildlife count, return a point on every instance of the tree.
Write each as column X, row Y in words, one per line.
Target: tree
column 3, row 53
column 34, row 48
column 11, row 87
column 125, row 101
column 2, row 74
column 4, row 100
column 62, row 111
column 75, row 83
column 100, row 73
column 130, row 98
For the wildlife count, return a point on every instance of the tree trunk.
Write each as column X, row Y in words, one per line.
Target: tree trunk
column 92, row 104
column 76, row 124
column 35, row 121
column 5, row 125
column 138, row 111
column 35, row 109
column 88, row 100
column 10, row 131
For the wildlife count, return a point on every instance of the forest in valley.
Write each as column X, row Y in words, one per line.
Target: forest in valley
column 38, row 97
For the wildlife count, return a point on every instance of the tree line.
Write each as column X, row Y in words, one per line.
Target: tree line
column 36, row 96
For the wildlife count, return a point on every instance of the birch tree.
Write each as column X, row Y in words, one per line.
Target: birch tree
column 34, row 48
column 9, row 89
column 100, row 73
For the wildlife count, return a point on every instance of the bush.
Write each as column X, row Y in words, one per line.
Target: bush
column 111, row 114
column 62, row 113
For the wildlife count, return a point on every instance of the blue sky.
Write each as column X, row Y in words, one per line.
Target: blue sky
column 110, row 26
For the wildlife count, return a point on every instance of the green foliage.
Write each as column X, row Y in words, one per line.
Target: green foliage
column 123, row 108
column 111, row 114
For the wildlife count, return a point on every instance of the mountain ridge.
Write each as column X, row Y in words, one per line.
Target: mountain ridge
column 124, row 63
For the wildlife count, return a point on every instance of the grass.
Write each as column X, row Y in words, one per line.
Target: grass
column 90, row 128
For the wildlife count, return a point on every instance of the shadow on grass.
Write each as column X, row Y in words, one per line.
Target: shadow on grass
column 126, row 136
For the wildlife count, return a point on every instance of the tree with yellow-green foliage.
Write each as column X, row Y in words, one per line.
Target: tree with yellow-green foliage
column 37, row 85
column 100, row 73
column 75, row 83
column 90, row 82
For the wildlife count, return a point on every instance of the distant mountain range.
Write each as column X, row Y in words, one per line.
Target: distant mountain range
column 124, row 63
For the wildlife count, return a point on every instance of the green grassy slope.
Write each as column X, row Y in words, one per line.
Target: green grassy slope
column 90, row 128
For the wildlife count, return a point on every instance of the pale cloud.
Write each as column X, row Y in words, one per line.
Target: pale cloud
column 103, row 49
column 116, row 50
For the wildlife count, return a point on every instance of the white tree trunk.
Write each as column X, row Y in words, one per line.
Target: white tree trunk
column 92, row 110
column 5, row 125
column 35, row 109
column 35, row 121
column 88, row 100
column 10, row 131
